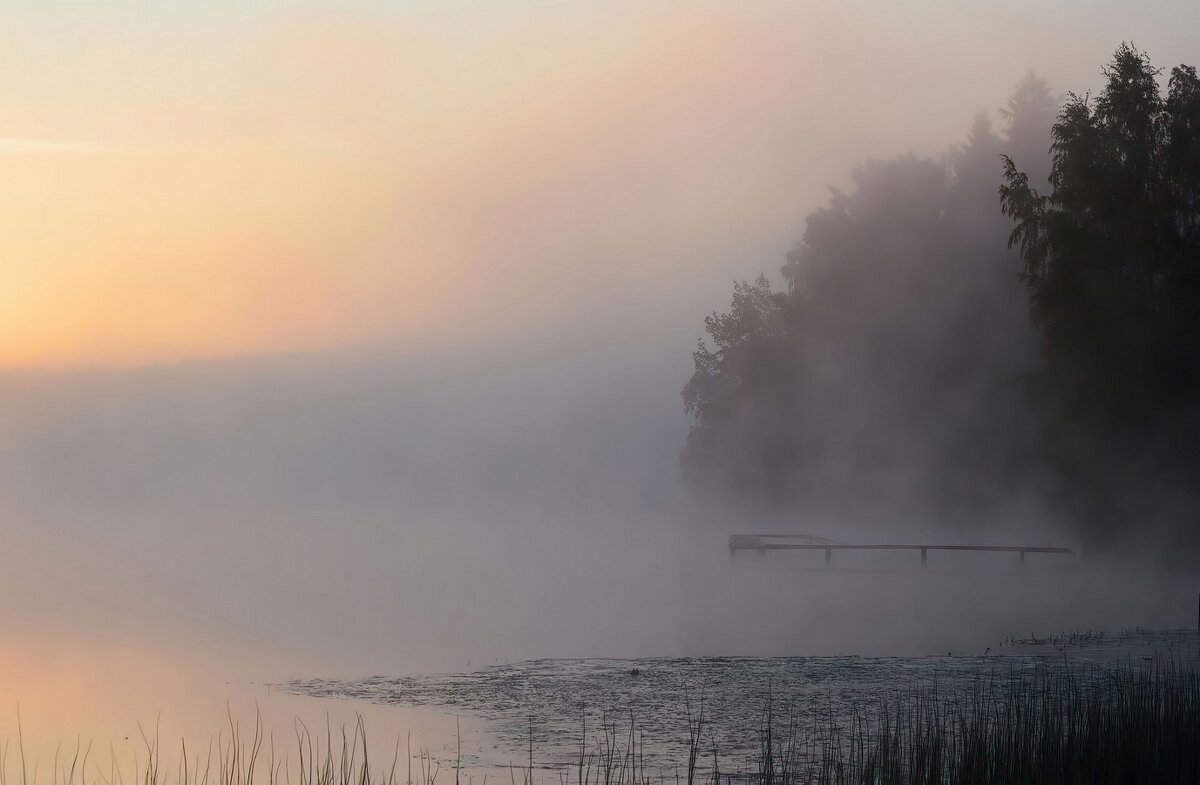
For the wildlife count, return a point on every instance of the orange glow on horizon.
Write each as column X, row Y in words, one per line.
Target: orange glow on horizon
column 327, row 182
column 189, row 186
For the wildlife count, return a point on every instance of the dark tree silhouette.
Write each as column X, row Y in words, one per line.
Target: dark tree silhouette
column 886, row 376
column 1112, row 261
column 738, row 389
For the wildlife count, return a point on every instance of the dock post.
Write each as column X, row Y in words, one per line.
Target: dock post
column 923, row 556
column 1022, row 557
column 828, row 557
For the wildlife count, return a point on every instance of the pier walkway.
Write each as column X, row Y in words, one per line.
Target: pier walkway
column 806, row 542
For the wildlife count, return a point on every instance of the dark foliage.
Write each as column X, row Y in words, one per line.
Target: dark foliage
column 887, row 376
column 901, row 370
column 1112, row 260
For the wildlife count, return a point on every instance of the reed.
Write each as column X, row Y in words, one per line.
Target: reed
column 1063, row 724
column 1137, row 721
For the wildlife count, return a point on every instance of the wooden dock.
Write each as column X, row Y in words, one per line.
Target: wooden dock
column 762, row 543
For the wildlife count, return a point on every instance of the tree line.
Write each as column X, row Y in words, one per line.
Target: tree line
column 1017, row 323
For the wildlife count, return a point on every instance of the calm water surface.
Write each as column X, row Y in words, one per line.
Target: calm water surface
column 553, row 703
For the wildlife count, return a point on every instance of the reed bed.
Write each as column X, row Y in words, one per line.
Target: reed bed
column 1129, row 723
column 1134, row 722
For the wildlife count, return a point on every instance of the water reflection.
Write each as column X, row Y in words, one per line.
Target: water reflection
column 64, row 699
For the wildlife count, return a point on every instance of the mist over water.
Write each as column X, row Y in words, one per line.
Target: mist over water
column 182, row 536
column 233, row 525
column 356, row 516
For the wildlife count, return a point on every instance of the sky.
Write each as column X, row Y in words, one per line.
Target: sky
column 187, row 180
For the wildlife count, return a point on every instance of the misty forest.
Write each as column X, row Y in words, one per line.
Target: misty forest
column 1020, row 318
